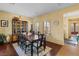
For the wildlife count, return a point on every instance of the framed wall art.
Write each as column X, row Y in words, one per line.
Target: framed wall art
column 4, row 23
column 0, row 23
column 56, row 22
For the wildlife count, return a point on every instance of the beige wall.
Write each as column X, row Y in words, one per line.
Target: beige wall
column 57, row 31
column 56, row 34
column 66, row 28
column 9, row 16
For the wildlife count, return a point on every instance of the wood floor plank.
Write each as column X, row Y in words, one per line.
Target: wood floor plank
column 7, row 50
column 57, row 50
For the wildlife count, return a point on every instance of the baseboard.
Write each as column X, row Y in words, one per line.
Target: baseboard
column 52, row 43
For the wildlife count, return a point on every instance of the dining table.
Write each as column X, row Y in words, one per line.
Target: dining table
column 32, row 39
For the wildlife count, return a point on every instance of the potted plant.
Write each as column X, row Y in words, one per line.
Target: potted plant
column 2, row 38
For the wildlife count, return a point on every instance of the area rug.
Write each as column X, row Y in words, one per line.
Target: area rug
column 20, row 52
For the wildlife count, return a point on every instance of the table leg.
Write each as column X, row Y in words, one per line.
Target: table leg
column 37, row 49
column 44, row 45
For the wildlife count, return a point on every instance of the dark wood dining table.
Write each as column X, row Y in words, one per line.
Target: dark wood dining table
column 32, row 39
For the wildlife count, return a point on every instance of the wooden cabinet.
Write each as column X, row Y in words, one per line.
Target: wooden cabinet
column 18, row 26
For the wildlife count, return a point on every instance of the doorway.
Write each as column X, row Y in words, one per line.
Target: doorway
column 73, row 31
column 71, row 28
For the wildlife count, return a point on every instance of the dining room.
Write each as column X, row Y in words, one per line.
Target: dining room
column 30, row 29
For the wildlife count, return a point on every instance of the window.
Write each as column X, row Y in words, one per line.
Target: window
column 37, row 27
column 46, row 27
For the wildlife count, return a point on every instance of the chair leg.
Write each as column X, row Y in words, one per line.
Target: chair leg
column 31, row 48
column 22, row 47
column 37, row 52
column 25, row 49
column 44, row 45
column 37, row 49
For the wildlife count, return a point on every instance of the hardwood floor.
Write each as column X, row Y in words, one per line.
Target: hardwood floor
column 57, row 50
column 7, row 50
column 69, row 50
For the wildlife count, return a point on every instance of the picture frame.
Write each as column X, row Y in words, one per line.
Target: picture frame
column 0, row 23
column 4, row 23
column 56, row 22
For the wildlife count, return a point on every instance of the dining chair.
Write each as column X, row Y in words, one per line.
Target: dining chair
column 23, row 42
column 40, row 43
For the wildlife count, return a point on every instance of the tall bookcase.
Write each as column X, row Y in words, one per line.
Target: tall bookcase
column 18, row 26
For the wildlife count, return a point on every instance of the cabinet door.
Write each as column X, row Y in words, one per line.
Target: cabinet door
column 14, row 38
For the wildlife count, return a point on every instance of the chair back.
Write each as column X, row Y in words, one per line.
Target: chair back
column 21, row 38
column 42, row 39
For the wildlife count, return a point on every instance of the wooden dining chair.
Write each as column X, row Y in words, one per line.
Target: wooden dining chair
column 40, row 43
column 23, row 42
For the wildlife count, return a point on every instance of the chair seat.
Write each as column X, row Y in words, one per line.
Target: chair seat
column 27, row 42
column 40, row 49
column 35, row 44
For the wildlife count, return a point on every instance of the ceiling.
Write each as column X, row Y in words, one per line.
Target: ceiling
column 72, row 14
column 32, row 9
